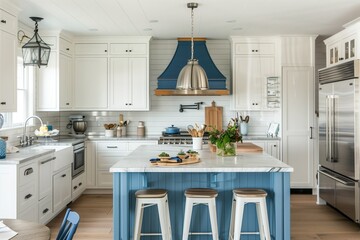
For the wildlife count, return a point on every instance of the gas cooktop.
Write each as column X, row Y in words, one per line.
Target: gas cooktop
column 182, row 138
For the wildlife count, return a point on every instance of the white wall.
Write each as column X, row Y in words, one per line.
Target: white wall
column 164, row 110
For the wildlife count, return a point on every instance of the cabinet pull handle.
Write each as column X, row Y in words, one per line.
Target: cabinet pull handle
column 105, row 50
column 3, row 21
column 311, row 132
column 45, row 210
column 67, row 104
column 80, row 184
column 67, row 49
column 48, row 160
column 275, row 145
column 75, row 187
column 64, row 175
column 28, row 196
column 28, row 171
column 3, row 103
column 111, row 146
column 341, row 59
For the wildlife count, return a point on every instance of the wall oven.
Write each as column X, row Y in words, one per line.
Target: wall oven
column 78, row 165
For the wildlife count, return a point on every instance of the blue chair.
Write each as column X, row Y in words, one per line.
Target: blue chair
column 68, row 226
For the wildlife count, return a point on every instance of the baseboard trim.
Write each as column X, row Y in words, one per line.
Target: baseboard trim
column 301, row 191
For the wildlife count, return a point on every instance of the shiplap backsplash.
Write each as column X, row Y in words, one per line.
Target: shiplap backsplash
column 164, row 110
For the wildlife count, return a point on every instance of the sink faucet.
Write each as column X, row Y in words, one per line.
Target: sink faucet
column 26, row 140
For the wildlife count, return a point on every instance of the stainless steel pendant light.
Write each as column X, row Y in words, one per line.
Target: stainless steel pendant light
column 192, row 76
column 36, row 51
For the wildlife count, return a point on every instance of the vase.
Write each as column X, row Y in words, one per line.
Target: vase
column 229, row 149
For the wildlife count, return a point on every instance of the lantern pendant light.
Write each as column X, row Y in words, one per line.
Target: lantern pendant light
column 192, row 76
column 36, row 51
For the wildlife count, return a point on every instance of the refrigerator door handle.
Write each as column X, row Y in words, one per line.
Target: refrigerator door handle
column 327, row 129
column 333, row 130
column 347, row 183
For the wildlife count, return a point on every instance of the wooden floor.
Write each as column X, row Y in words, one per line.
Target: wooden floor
column 308, row 220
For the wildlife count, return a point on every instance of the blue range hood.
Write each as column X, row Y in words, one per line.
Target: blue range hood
column 167, row 80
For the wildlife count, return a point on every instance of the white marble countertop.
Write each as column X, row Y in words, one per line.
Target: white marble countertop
column 123, row 138
column 25, row 154
column 138, row 161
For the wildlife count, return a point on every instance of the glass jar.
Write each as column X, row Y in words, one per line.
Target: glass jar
column 2, row 148
column 229, row 149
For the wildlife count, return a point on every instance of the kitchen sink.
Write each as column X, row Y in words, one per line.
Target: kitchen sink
column 55, row 147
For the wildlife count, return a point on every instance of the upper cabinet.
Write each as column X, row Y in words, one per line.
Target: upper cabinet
column 253, row 61
column 54, row 82
column 8, row 62
column 342, row 47
column 112, row 73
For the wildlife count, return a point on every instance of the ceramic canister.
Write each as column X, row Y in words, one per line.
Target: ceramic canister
column 2, row 148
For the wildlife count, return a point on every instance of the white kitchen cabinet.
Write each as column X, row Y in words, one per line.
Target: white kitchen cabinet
column 19, row 190
column 8, row 71
column 45, row 210
column 55, row 82
column 90, row 163
column 128, row 49
column 61, row 189
column 298, row 124
column 129, row 84
column 91, row 48
column 91, row 83
column 253, row 60
column 78, row 186
column 272, row 147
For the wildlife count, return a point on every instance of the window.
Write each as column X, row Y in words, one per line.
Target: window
column 25, row 102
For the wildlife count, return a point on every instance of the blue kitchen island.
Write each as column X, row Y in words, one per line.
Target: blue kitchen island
column 246, row 170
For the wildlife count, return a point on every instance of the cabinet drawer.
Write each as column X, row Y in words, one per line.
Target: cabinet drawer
column 255, row 48
column 78, row 186
column 112, row 146
column 45, row 210
column 91, row 48
column 65, row 46
column 134, row 145
column 105, row 161
column 28, row 173
column 104, row 179
column 29, row 214
column 27, row 195
column 8, row 22
column 128, row 49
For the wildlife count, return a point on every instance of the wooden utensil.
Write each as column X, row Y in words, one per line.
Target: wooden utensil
column 213, row 117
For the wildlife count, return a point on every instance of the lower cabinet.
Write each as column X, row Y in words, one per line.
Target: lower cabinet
column 78, row 186
column 61, row 189
column 101, row 155
column 272, row 147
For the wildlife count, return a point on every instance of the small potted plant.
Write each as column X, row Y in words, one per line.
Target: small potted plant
column 226, row 140
column 182, row 154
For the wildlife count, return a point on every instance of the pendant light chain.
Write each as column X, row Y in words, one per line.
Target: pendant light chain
column 192, row 33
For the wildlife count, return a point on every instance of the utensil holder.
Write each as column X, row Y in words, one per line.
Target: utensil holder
column 244, row 128
column 123, row 131
column 109, row 133
column 197, row 143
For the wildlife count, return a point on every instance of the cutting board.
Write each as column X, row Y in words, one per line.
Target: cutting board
column 184, row 162
column 248, row 147
column 213, row 117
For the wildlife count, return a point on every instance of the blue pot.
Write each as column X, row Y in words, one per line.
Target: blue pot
column 172, row 130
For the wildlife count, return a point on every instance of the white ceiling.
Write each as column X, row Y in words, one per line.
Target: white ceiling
column 169, row 19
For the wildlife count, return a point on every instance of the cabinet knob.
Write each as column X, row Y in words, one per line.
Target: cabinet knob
column 75, row 187
column 105, row 51
column 3, row 103
column 28, row 196
column 130, row 50
column 3, row 21
column 67, row 49
column 67, row 104
column 45, row 210
column 256, row 50
column 64, row 175
column 253, row 50
column 130, row 104
column 341, row 59
column 275, row 145
column 126, row 50
column 80, row 183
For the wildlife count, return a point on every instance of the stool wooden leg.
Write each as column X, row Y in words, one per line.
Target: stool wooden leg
column 138, row 220
column 213, row 219
column 238, row 218
column 265, row 218
column 187, row 218
column 232, row 220
column 260, row 221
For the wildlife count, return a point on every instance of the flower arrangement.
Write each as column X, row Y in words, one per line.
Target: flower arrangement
column 226, row 140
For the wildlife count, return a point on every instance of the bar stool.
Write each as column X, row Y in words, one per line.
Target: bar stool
column 240, row 198
column 147, row 198
column 196, row 196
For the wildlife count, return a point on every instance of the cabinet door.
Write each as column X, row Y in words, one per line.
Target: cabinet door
column 273, row 148
column 90, row 156
column 45, row 178
column 255, row 48
column 8, row 66
column 333, row 54
column 250, row 81
column 91, row 49
column 128, row 84
column 91, row 83
column 297, row 119
column 61, row 189
column 349, row 48
column 65, row 81
column 48, row 86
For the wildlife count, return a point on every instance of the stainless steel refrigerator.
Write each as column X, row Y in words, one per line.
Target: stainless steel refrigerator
column 339, row 133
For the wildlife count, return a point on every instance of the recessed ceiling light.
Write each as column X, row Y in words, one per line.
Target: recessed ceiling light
column 93, row 29
column 147, row 29
column 231, row 21
column 237, row 28
column 153, row 21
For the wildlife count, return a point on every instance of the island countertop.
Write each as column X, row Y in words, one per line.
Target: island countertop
column 138, row 161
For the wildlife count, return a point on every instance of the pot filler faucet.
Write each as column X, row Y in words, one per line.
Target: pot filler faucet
column 27, row 140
